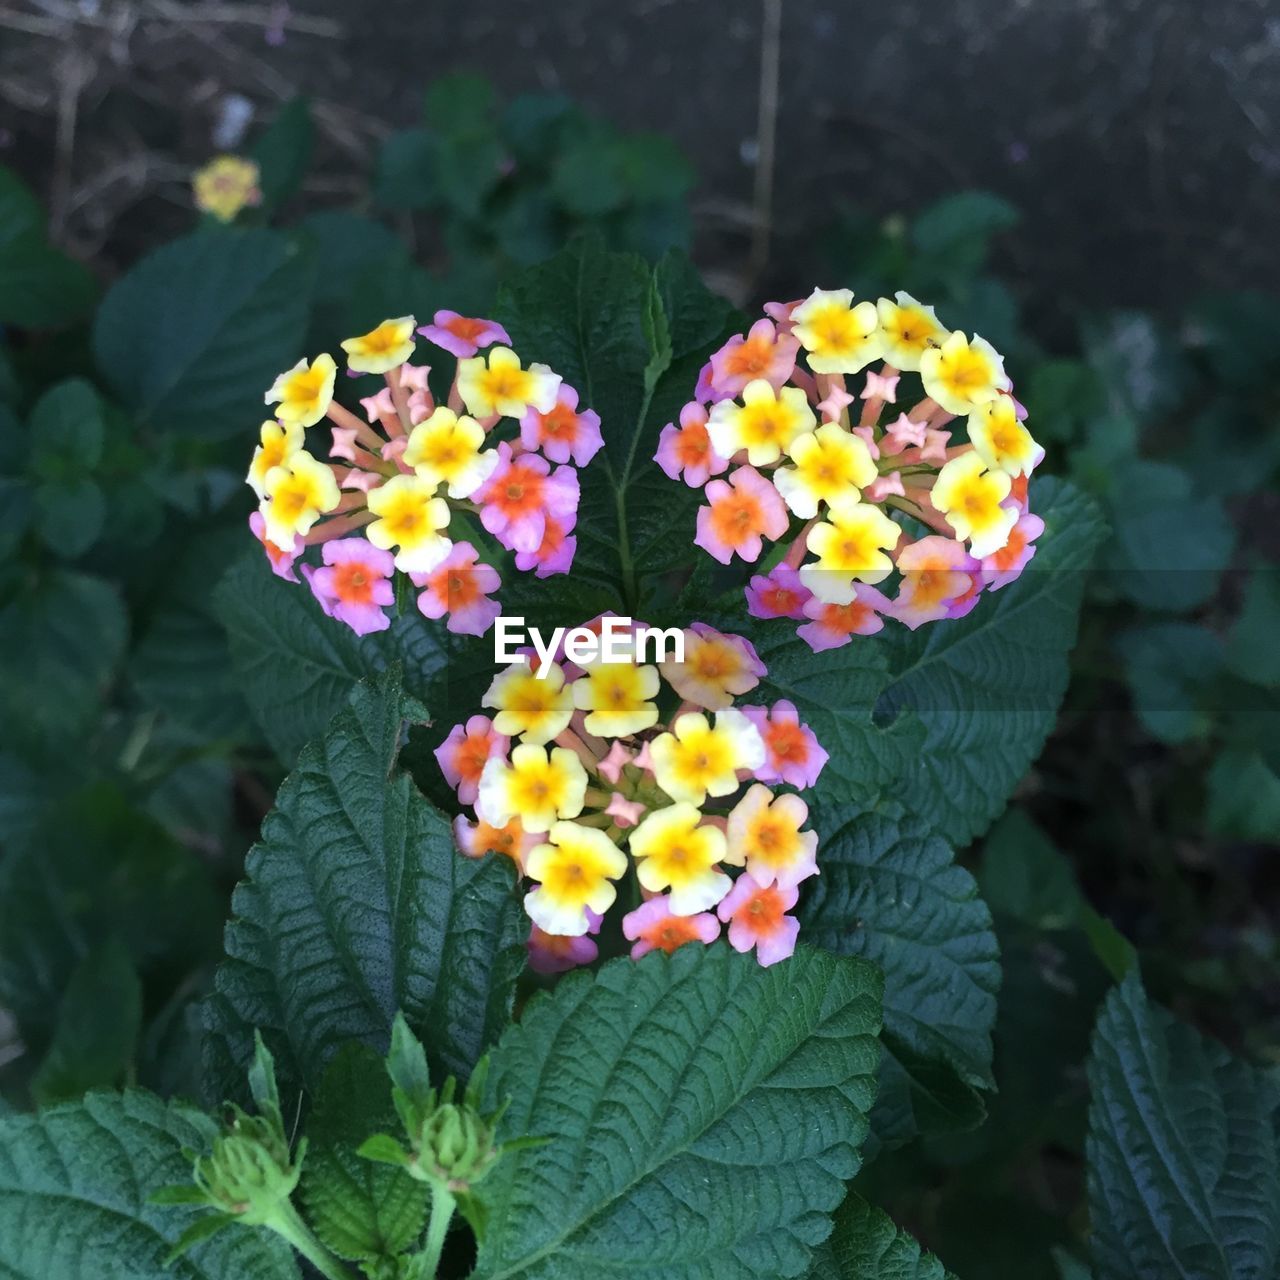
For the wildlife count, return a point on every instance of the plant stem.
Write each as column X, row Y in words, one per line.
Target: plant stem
column 442, row 1206
column 291, row 1226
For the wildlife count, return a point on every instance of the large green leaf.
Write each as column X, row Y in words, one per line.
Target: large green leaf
column 986, row 688
column 356, row 904
column 890, row 892
column 296, row 668
column 866, row 1245
column 193, row 336
column 1184, row 1151
column 74, row 1187
column 701, row 1114
column 631, row 339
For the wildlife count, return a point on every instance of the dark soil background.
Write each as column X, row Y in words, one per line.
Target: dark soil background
column 1141, row 138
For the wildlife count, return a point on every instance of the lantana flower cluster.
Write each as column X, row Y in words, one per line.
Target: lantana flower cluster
column 403, row 481
column 690, row 820
column 803, row 433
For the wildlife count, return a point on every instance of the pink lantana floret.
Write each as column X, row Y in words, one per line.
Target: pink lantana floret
column 777, row 594
column 281, row 559
column 832, row 625
column 463, row 336
column 685, row 451
column 793, row 753
column 463, row 755
column 757, row 917
column 761, row 353
column 459, row 587
column 564, row 433
column 653, row 927
column 743, row 510
column 354, row 584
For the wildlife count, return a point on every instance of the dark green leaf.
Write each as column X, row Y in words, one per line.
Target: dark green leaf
column 1244, row 797
column 702, row 1115
column 1168, row 666
column 1252, row 651
column 406, row 176
column 361, row 1210
column 355, row 905
column 194, row 335
column 70, row 515
column 283, row 153
column 75, row 1183
column 866, row 1245
column 890, row 892
column 1184, row 1151
column 66, row 429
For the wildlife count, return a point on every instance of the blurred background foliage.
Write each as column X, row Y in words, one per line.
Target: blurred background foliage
column 133, row 775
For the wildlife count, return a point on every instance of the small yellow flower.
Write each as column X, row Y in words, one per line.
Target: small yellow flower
column 446, row 449
column 961, row 374
column 537, row 705
column 304, row 392
column 575, row 870
column 226, row 185
column 278, row 442
column 1002, row 442
column 296, row 494
column 764, row 835
column 695, row 759
column 909, row 329
column 850, row 546
column 390, row 344
column 410, row 518
column 538, row 786
column 495, row 383
column 831, row 465
column 838, row 336
column 673, row 852
column 970, row 497
column 765, row 424
column 616, row 697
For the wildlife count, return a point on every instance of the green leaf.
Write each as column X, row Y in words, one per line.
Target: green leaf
column 192, row 337
column 70, row 515
column 890, row 893
column 986, row 688
column 74, row 1188
column 66, row 429
column 866, row 1245
column 1168, row 666
column 406, row 176
column 458, row 102
column 60, row 641
column 356, row 904
column 1244, row 796
column 359, row 1209
column 1252, row 652
column 296, row 668
column 591, row 316
column 702, row 1115
column 283, row 153
column 1184, row 1151
column 98, row 1024
column 40, row 287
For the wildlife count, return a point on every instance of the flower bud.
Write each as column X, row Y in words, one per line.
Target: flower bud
column 249, row 1173
column 457, row 1146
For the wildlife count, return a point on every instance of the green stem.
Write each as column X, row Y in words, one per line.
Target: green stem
column 290, row 1225
column 442, row 1206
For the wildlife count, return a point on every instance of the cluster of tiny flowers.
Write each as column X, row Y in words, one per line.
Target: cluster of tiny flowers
column 575, row 779
column 810, row 460
column 397, row 478
column 226, row 185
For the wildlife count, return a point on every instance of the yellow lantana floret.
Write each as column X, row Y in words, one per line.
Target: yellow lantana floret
column 616, row 697
column 381, row 349
column 277, row 443
column 962, row 374
column 575, row 870
column 410, row 517
column 909, row 329
column 304, row 392
column 832, row 465
column 971, row 498
column 539, row 786
column 764, row 835
column 838, row 336
column 696, row 759
column 850, row 545
column 446, row 449
column 673, row 852
column 225, row 186
column 1002, row 442
column 765, row 424
column 535, row 705
column 495, row 383
column 296, row 494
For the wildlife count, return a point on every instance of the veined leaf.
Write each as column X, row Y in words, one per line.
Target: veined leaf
column 986, row 688
column 890, row 892
column 866, row 1245
column 356, row 904
column 630, row 339
column 702, row 1114
column 1184, row 1151
column 74, row 1188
